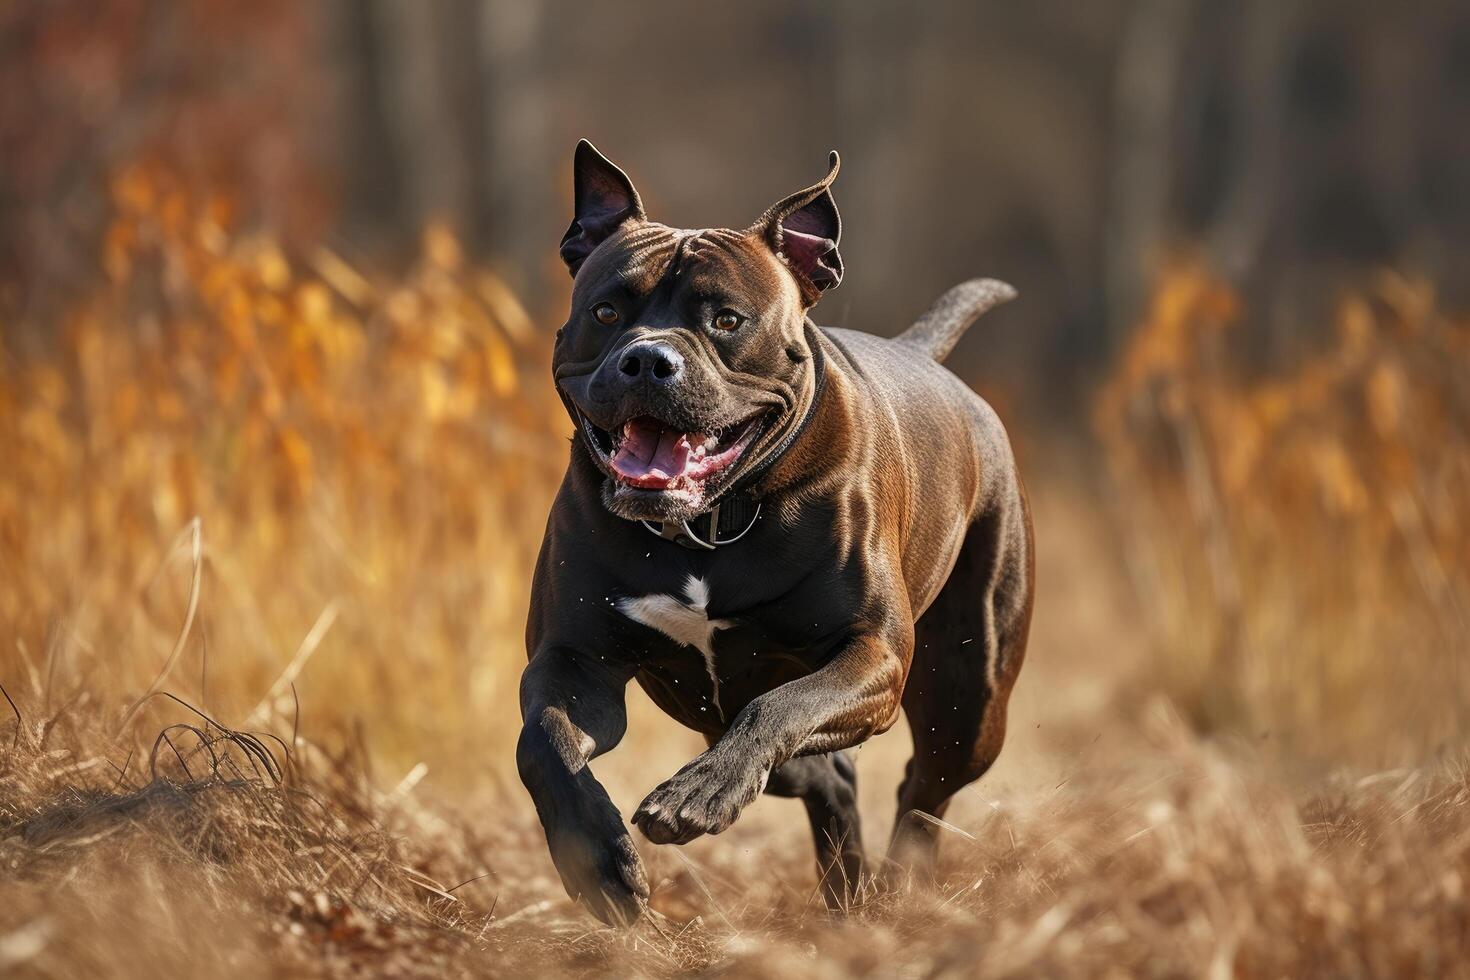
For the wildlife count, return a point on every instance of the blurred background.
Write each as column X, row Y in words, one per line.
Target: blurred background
column 277, row 288
column 1296, row 146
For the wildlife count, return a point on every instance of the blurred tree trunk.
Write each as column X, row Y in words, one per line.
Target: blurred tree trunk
column 519, row 163
column 1151, row 61
column 373, row 174
column 1251, row 194
column 873, row 68
column 446, row 116
column 420, row 52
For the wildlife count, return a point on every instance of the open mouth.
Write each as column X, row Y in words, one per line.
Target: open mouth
column 649, row 454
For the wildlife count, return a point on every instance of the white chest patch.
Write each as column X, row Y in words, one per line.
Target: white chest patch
column 684, row 621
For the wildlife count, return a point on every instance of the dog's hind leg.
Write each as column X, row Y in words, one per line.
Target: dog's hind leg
column 967, row 651
column 827, row 785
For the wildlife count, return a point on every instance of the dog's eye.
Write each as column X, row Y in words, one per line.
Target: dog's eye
column 605, row 313
column 728, row 319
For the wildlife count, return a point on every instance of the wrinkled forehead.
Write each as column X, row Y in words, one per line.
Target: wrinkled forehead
column 709, row 261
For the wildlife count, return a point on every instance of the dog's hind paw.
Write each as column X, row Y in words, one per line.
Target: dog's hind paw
column 704, row 797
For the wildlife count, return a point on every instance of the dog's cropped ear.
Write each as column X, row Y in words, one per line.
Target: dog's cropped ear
column 804, row 230
column 603, row 197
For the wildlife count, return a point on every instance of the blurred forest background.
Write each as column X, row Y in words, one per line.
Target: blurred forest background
column 1065, row 148
column 277, row 288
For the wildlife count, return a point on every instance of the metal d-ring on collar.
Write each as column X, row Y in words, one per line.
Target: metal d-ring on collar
column 682, row 533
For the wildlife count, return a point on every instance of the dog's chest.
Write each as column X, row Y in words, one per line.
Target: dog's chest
column 714, row 665
column 685, row 619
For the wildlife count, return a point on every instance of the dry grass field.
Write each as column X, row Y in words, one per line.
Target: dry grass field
column 266, row 529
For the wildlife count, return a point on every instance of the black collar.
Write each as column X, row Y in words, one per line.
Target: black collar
column 729, row 520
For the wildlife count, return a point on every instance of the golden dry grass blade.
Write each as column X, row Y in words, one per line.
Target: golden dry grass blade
column 196, row 557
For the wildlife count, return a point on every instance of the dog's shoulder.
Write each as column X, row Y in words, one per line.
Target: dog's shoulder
column 922, row 396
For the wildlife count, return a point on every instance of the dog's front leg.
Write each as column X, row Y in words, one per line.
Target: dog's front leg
column 572, row 709
column 855, row 695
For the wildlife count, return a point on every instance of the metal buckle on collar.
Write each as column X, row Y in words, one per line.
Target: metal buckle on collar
column 725, row 516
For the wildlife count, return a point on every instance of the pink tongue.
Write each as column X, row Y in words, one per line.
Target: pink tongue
column 672, row 456
column 640, row 443
column 651, row 454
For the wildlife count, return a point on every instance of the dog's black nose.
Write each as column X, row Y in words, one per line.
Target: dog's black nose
column 655, row 362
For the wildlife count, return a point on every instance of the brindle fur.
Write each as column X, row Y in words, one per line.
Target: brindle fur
column 892, row 566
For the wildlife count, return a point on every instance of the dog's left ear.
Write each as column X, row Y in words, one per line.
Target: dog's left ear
column 804, row 229
column 604, row 198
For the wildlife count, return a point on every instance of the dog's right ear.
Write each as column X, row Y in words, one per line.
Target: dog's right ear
column 604, row 198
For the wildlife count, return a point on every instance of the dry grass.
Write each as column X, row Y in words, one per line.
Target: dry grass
column 1301, row 537
column 246, row 492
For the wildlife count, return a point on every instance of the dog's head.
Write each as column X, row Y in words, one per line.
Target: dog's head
column 685, row 361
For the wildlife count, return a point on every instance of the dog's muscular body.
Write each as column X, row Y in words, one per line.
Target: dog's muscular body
column 891, row 564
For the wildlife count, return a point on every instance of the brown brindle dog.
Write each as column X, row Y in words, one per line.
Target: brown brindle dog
column 783, row 533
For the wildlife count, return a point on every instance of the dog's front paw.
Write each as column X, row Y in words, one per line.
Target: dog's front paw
column 600, row 867
column 704, row 797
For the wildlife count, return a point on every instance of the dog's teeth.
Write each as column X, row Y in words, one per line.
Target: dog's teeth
column 710, row 443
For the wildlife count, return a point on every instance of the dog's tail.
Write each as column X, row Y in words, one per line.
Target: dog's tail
column 937, row 331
